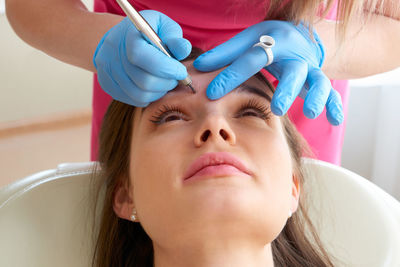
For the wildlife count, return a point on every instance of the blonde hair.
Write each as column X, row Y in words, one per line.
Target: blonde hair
column 312, row 11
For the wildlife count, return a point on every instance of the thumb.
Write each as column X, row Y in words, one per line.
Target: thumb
column 228, row 51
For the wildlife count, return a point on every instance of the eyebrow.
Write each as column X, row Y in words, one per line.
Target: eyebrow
column 240, row 89
column 253, row 90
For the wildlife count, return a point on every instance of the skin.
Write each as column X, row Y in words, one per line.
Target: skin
column 39, row 22
column 220, row 221
column 378, row 39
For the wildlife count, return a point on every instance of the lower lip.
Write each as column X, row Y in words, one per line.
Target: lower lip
column 216, row 171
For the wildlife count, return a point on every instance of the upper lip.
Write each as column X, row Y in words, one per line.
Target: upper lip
column 213, row 159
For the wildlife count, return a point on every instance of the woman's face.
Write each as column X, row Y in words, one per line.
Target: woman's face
column 218, row 202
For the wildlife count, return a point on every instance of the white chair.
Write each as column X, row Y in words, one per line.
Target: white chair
column 45, row 218
column 357, row 221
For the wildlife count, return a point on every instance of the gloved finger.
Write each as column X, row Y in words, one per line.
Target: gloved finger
column 238, row 72
column 179, row 47
column 292, row 78
column 148, row 57
column 317, row 96
column 164, row 26
column 228, row 51
column 171, row 34
column 130, row 88
column 334, row 108
column 146, row 81
column 112, row 88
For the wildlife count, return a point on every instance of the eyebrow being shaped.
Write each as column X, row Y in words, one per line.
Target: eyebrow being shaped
column 241, row 88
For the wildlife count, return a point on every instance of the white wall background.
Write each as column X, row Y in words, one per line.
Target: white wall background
column 372, row 138
column 2, row 6
column 33, row 84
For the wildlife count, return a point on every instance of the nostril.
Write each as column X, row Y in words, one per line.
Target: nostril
column 224, row 134
column 205, row 135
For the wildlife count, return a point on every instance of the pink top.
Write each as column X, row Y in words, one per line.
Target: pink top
column 208, row 23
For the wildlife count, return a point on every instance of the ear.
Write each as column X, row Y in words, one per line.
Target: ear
column 295, row 194
column 123, row 202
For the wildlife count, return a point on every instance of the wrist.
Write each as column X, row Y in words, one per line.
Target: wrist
column 327, row 35
column 319, row 45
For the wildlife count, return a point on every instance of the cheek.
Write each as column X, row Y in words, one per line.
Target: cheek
column 267, row 147
column 155, row 170
column 270, row 156
column 150, row 171
column 274, row 163
column 153, row 157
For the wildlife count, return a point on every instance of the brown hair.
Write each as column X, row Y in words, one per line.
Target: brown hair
column 122, row 243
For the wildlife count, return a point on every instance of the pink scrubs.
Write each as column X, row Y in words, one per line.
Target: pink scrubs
column 208, row 23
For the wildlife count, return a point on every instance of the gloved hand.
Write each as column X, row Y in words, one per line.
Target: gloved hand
column 297, row 65
column 132, row 70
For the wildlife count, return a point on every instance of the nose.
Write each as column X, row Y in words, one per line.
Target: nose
column 214, row 129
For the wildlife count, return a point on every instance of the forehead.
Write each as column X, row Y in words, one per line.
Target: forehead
column 257, row 83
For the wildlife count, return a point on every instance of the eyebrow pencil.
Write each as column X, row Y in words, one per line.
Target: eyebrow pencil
column 145, row 29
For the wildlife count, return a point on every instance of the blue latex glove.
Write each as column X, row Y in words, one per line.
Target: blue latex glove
column 132, row 70
column 297, row 65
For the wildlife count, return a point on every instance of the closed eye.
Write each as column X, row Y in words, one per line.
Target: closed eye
column 168, row 113
column 254, row 108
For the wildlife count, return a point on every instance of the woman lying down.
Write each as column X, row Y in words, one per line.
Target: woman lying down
column 192, row 182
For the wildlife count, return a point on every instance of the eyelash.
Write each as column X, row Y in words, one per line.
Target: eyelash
column 261, row 111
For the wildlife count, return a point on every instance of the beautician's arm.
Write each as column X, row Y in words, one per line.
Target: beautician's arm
column 373, row 50
column 128, row 68
column 64, row 29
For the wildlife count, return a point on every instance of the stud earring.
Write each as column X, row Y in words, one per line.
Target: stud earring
column 133, row 216
column 290, row 213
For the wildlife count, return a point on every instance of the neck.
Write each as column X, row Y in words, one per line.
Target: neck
column 213, row 254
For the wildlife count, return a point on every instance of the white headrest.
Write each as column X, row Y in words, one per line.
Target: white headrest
column 45, row 218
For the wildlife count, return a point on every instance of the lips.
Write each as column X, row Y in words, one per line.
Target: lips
column 216, row 164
